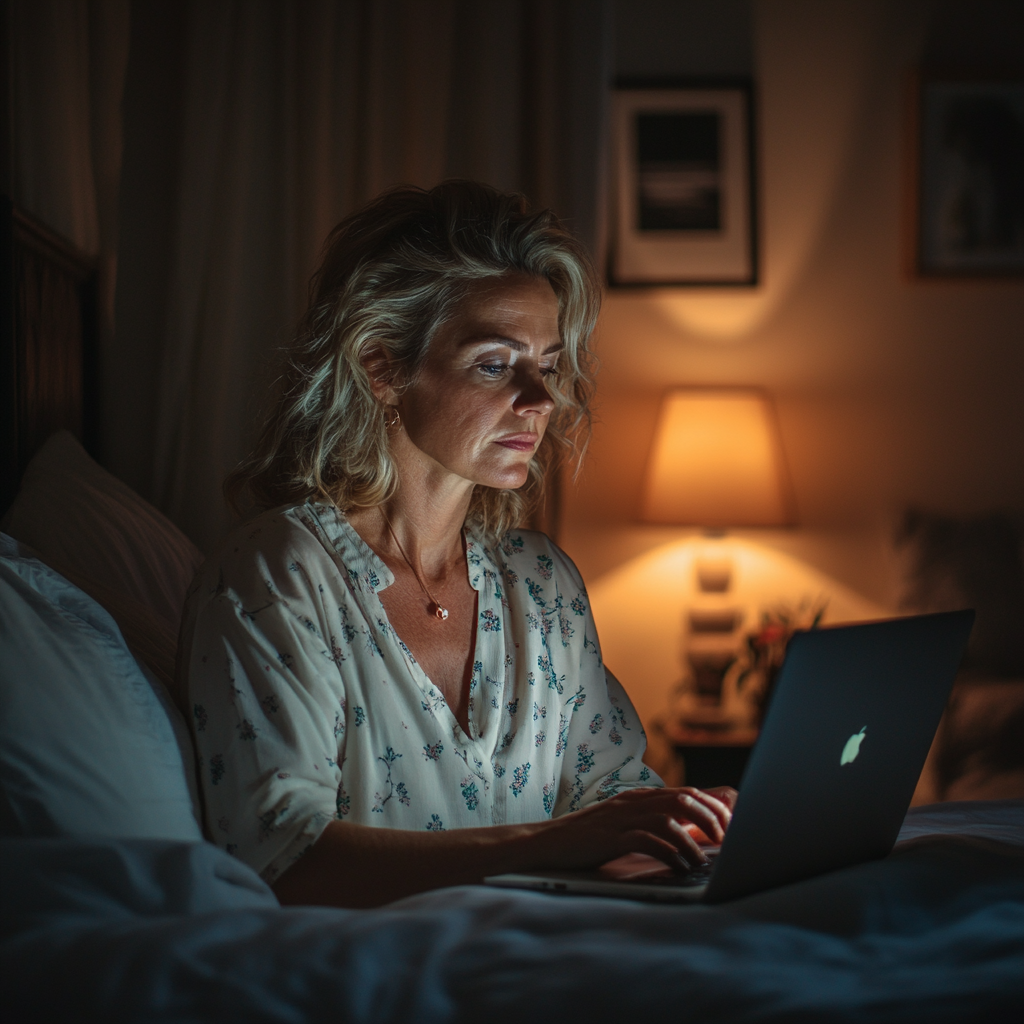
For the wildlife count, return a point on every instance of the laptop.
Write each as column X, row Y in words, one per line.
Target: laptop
column 833, row 771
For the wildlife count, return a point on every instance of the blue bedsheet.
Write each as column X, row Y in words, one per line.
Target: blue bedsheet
column 161, row 931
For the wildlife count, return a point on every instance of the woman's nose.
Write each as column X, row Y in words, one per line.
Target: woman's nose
column 533, row 399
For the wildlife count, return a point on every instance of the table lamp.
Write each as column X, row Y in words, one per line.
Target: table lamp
column 716, row 463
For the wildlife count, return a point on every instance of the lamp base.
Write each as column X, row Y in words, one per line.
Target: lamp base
column 714, row 575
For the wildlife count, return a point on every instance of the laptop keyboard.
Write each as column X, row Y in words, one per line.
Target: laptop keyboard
column 698, row 876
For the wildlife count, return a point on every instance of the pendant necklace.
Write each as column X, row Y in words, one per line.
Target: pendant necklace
column 435, row 606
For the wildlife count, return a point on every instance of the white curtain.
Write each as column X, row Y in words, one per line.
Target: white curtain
column 250, row 128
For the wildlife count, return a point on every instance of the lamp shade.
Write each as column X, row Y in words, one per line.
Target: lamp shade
column 716, row 462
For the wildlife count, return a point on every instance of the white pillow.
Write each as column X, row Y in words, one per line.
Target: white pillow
column 86, row 745
column 99, row 534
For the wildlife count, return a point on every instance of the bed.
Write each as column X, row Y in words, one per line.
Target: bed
column 116, row 907
column 156, row 930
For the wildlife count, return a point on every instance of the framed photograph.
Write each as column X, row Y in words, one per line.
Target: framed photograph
column 970, row 177
column 683, row 184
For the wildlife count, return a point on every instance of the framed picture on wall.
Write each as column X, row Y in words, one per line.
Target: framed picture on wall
column 970, row 177
column 683, row 184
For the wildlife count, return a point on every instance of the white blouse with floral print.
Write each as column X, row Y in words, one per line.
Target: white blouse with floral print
column 308, row 707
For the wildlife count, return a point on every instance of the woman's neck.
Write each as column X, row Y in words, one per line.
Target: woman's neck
column 421, row 526
column 421, row 523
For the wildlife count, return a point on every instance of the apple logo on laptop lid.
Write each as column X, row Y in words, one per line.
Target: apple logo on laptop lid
column 852, row 748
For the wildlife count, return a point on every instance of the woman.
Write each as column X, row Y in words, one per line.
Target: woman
column 381, row 647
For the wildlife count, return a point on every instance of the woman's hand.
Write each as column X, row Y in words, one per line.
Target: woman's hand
column 649, row 821
column 728, row 796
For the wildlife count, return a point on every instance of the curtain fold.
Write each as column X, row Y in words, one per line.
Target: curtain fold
column 251, row 127
column 52, row 117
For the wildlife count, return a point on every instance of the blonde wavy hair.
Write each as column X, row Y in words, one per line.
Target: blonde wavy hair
column 391, row 274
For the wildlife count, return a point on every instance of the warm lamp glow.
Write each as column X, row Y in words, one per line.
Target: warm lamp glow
column 716, row 462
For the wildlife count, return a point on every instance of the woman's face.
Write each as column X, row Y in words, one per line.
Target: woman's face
column 480, row 403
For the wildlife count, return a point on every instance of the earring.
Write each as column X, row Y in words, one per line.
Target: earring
column 394, row 420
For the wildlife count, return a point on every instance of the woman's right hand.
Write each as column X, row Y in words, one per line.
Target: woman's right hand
column 649, row 821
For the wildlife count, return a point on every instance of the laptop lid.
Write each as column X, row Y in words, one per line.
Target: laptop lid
column 847, row 733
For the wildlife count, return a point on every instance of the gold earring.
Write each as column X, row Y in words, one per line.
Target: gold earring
column 395, row 419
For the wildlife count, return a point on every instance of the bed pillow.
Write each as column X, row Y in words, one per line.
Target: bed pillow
column 99, row 534
column 970, row 563
column 86, row 745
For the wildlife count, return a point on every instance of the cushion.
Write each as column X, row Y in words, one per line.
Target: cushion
column 99, row 534
column 970, row 563
column 87, row 747
column 980, row 755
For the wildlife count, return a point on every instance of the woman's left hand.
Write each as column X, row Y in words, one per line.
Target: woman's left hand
column 634, row 866
column 728, row 797
column 656, row 822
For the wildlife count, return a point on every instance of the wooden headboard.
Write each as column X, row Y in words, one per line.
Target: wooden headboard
column 48, row 343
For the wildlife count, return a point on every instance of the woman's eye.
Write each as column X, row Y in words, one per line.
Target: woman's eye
column 493, row 369
column 549, row 371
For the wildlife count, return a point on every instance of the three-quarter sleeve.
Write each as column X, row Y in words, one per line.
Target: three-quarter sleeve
column 602, row 741
column 604, row 747
column 268, row 705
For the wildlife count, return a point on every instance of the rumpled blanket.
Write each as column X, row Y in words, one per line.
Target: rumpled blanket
column 147, row 930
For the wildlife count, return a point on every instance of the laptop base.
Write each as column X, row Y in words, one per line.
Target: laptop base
column 591, row 883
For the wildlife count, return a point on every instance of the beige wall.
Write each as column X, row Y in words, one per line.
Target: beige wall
column 890, row 391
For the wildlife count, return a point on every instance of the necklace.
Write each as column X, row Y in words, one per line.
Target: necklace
column 435, row 606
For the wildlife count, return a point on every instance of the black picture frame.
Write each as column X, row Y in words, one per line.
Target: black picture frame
column 970, row 177
column 684, row 197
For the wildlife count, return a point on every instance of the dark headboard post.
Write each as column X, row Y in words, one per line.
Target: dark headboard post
column 49, row 345
column 9, row 471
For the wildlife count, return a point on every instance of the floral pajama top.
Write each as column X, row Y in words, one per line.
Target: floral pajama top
column 308, row 707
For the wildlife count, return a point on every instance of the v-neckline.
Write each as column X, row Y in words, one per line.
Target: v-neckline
column 426, row 684
column 385, row 578
column 416, row 667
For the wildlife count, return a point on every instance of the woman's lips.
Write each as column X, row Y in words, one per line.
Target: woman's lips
column 519, row 442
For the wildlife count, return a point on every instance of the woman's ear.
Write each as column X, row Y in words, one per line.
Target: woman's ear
column 378, row 368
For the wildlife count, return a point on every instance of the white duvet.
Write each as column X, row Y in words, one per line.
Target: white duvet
column 149, row 930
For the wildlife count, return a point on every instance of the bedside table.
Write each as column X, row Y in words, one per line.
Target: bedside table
column 712, row 757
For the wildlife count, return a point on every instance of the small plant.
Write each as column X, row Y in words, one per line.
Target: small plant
column 757, row 665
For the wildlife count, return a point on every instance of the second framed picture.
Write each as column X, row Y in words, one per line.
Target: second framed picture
column 683, row 184
column 970, row 187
